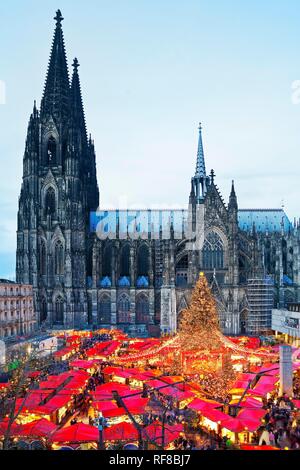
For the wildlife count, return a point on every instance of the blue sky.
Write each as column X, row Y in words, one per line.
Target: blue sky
column 150, row 71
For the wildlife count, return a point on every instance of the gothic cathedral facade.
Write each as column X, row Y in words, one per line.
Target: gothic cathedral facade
column 134, row 270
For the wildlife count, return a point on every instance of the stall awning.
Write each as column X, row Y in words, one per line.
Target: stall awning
column 120, row 432
column 79, row 432
column 200, row 404
column 155, row 432
column 39, row 428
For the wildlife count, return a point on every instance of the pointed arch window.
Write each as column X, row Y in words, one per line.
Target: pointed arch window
column 59, row 311
column 182, row 271
column 43, row 313
column 268, row 257
column 142, row 309
column 50, row 203
column 124, row 261
column 213, row 252
column 284, row 256
column 124, row 309
column 51, row 151
column 43, row 258
column 59, row 258
column 106, row 261
column 104, row 310
column 143, row 261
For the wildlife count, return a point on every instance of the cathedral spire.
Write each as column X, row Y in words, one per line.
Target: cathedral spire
column 56, row 97
column 77, row 110
column 200, row 164
column 232, row 199
column 200, row 180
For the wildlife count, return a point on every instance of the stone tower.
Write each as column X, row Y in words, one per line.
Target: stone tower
column 59, row 189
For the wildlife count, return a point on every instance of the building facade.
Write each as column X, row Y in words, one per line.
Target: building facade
column 286, row 323
column 134, row 269
column 17, row 315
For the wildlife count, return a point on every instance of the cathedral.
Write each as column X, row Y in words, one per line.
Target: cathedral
column 135, row 269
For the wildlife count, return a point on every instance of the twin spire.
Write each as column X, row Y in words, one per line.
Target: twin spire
column 201, row 182
column 60, row 100
column 200, row 163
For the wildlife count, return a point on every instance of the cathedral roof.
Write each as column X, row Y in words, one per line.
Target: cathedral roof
column 265, row 220
column 141, row 222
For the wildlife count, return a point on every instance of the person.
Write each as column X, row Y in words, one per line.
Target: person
column 264, row 438
column 272, row 438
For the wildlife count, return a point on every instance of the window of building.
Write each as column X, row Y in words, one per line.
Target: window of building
column 142, row 309
column 43, row 260
column 124, row 261
column 50, row 203
column 143, row 261
column 59, row 258
column 51, row 151
column 213, row 252
column 104, row 309
column 124, row 309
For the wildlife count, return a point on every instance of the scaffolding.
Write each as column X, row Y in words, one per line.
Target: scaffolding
column 260, row 300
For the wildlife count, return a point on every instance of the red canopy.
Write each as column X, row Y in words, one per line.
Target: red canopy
column 252, row 414
column 154, row 431
column 39, row 428
column 4, row 425
column 201, row 404
column 120, row 432
column 136, row 405
column 248, row 402
column 79, row 432
column 83, row 364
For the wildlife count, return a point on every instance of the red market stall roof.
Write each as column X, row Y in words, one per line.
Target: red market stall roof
column 73, row 380
column 240, row 384
column 104, row 392
column 83, row 364
column 143, row 345
column 177, row 394
column 39, row 428
column 120, row 432
column 261, row 390
column 4, row 425
column 55, row 403
column 64, row 351
column 79, row 432
column 154, row 431
column 136, row 405
column 110, row 370
column 248, row 402
column 255, row 414
column 155, row 383
column 214, row 415
column 233, row 424
column 200, row 404
column 272, row 380
column 105, row 348
column 105, row 405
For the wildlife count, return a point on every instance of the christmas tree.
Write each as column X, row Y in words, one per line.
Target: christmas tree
column 199, row 323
